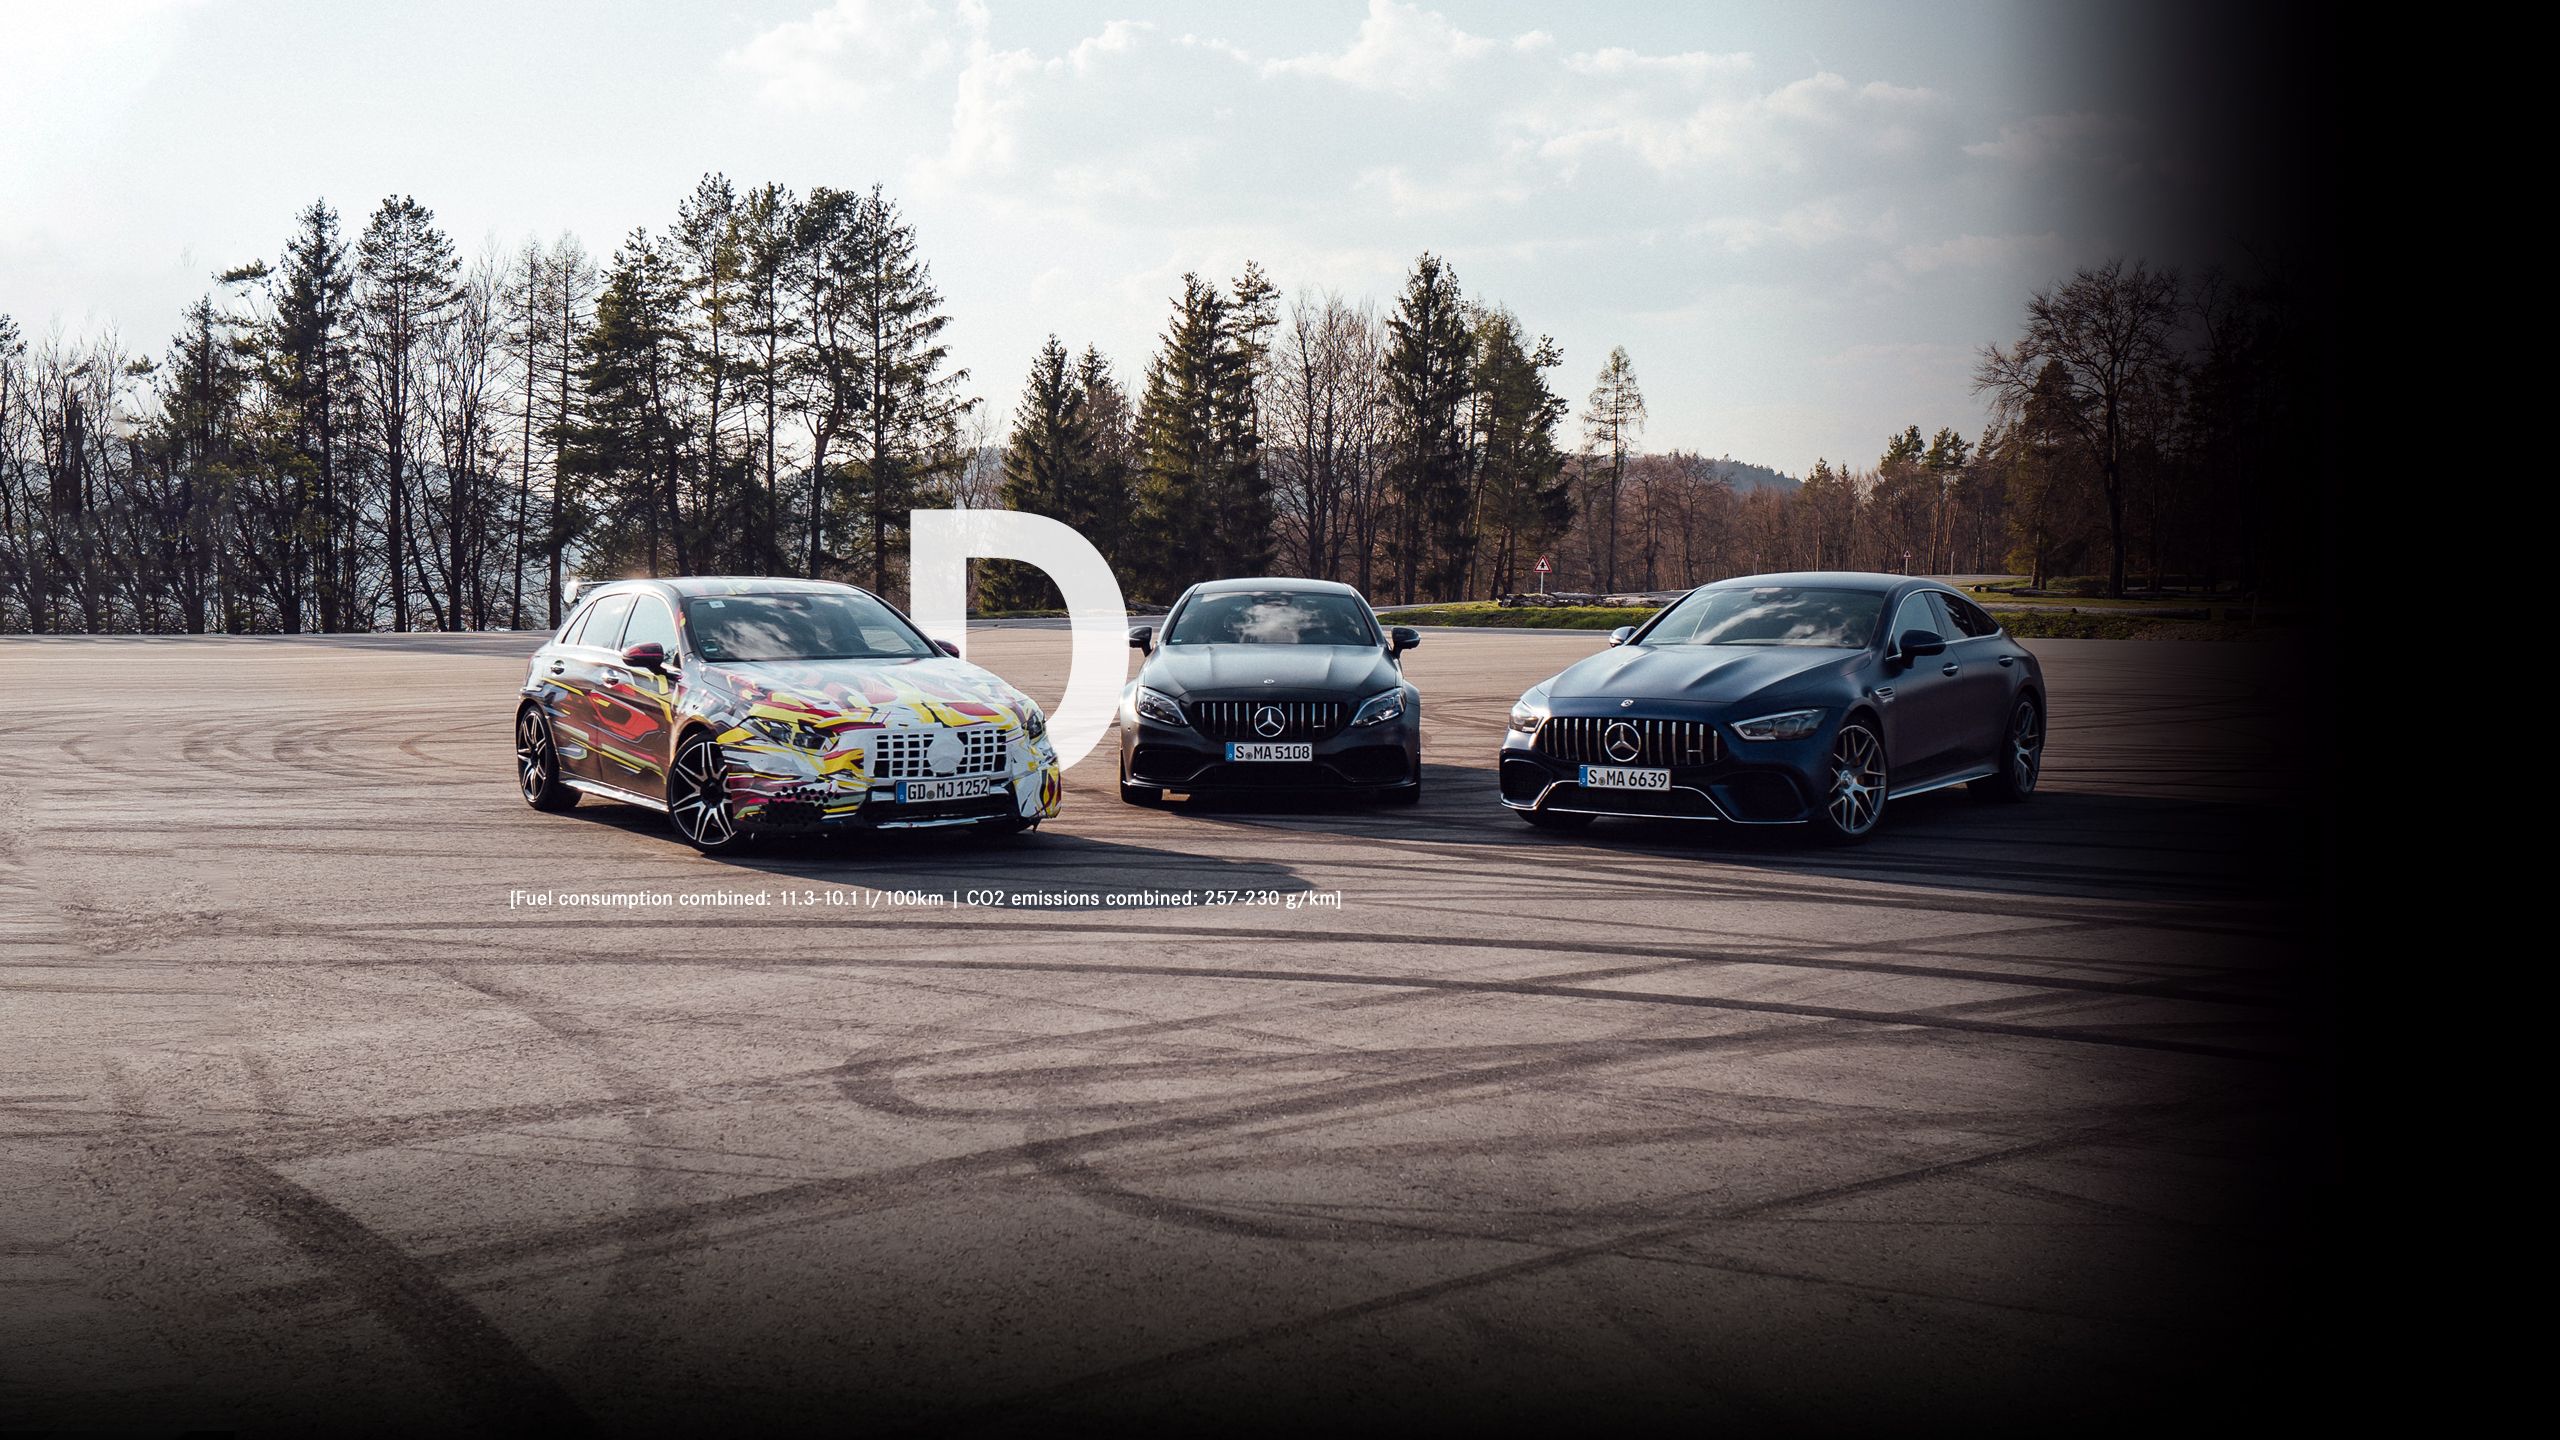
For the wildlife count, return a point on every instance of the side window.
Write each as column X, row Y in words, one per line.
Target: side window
column 604, row 628
column 1971, row 620
column 576, row 622
column 651, row 624
column 1919, row 612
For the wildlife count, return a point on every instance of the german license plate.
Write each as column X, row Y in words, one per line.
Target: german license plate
column 1624, row 777
column 1250, row 750
column 925, row 792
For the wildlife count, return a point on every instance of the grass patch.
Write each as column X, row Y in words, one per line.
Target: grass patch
column 1524, row 617
column 2044, row 623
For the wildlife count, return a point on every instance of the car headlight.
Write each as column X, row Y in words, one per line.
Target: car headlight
column 1530, row 711
column 1162, row 709
column 793, row 733
column 1034, row 723
column 1793, row 725
column 1379, row 709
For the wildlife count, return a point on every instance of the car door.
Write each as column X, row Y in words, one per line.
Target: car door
column 586, row 715
column 646, row 698
column 1924, row 723
column 1983, row 664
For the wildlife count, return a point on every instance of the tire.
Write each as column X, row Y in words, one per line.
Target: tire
column 1853, row 806
column 698, row 795
column 538, row 763
column 2021, row 757
column 1555, row 819
column 1148, row 795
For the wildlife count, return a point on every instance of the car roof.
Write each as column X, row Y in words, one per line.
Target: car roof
column 692, row 585
column 1273, row 582
column 1867, row 580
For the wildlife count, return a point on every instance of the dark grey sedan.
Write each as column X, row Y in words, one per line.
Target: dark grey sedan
column 1271, row 685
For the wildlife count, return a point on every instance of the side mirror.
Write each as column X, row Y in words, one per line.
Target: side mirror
column 1916, row 643
column 1402, row 638
column 1622, row 635
column 649, row 655
column 1143, row 637
column 946, row 647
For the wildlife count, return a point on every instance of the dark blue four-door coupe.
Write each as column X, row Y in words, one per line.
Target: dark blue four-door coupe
column 1804, row 699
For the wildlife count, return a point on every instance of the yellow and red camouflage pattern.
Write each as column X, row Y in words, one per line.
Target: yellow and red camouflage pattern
column 800, row 736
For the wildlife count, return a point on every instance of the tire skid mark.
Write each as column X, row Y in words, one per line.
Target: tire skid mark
column 1535, row 989
column 622, row 1345
column 1031, row 1401
column 790, row 1206
column 1808, row 958
column 486, row 1370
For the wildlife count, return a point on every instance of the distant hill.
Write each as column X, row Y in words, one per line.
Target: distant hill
column 1746, row 477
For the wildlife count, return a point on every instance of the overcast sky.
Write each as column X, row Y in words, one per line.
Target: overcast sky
column 1799, row 220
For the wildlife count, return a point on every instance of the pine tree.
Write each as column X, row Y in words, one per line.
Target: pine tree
column 1106, row 449
column 407, row 270
column 1178, row 444
column 310, row 375
column 704, row 246
column 630, row 438
column 1610, row 427
column 1524, row 498
column 202, row 443
column 1041, row 465
column 1241, row 535
column 1431, row 342
column 767, row 225
column 908, row 431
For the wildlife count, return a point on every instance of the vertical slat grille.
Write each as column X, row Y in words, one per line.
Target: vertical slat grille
column 1586, row 739
column 1243, row 719
column 906, row 754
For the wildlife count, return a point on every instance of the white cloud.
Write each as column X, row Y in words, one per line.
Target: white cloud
column 1403, row 49
column 1689, row 66
column 850, row 50
column 1804, row 122
column 1117, row 38
column 1216, row 46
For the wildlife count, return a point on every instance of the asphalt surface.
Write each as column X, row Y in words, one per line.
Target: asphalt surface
column 309, row 1120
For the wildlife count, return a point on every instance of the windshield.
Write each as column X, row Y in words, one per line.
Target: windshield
column 1247, row 617
column 1771, row 615
column 817, row 625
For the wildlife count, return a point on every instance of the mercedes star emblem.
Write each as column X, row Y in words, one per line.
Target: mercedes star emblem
column 942, row 752
column 1623, row 742
column 1268, row 721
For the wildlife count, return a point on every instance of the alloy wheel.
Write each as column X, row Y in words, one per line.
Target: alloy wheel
column 537, row 763
column 1857, row 780
column 2026, row 747
column 698, row 795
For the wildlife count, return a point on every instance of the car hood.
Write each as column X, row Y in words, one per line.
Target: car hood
column 1208, row 669
column 939, row 691
column 1698, row 674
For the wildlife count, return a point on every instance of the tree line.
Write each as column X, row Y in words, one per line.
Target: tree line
column 372, row 432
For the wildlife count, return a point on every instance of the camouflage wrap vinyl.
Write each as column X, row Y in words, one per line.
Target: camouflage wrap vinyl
column 816, row 742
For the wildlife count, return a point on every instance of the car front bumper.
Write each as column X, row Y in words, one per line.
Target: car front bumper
column 1749, row 782
column 1363, row 759
column 776, row 788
